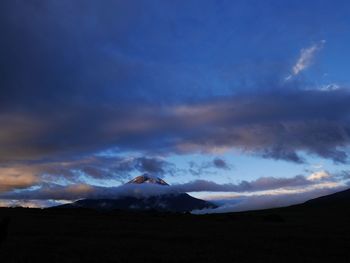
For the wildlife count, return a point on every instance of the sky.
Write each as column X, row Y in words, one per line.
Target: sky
column 244, row 103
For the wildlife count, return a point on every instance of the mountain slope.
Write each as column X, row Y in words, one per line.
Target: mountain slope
column 165, row 203
column 337, row 199
column 174, row 202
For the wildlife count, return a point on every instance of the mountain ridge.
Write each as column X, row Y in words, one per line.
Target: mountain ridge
column 337, row 198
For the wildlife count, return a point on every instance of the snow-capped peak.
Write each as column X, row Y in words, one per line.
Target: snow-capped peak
column 146, row 178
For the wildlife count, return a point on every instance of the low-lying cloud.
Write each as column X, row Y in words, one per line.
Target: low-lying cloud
column 265, row 201
column 75, row 191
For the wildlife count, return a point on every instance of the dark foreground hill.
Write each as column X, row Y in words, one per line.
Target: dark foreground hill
column 162, row 203
column 302, row 233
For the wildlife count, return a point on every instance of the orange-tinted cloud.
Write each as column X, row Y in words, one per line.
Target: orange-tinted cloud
column 16, row 178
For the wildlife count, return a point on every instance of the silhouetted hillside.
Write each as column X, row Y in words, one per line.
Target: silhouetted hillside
column 337, row 199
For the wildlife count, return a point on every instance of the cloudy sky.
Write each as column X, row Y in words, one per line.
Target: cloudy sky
column 246, row 103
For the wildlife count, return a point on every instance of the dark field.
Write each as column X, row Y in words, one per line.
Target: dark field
column 295, row 234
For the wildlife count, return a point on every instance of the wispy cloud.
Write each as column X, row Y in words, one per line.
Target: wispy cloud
column 305, row 59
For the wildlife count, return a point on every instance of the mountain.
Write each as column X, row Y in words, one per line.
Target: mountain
column 174, row 202
column 341, row 198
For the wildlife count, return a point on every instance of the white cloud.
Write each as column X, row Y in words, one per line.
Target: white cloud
column 330, row 87
column 305, row 58
column 319, row 176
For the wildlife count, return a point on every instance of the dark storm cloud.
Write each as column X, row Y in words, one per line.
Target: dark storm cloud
column 276, row 125
column 273, row 125
column 61, row 53
column 198, row 169
column 116, row 168
column 280, row 153
column 152, row 165
column 56, row 53
column 221, row 164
